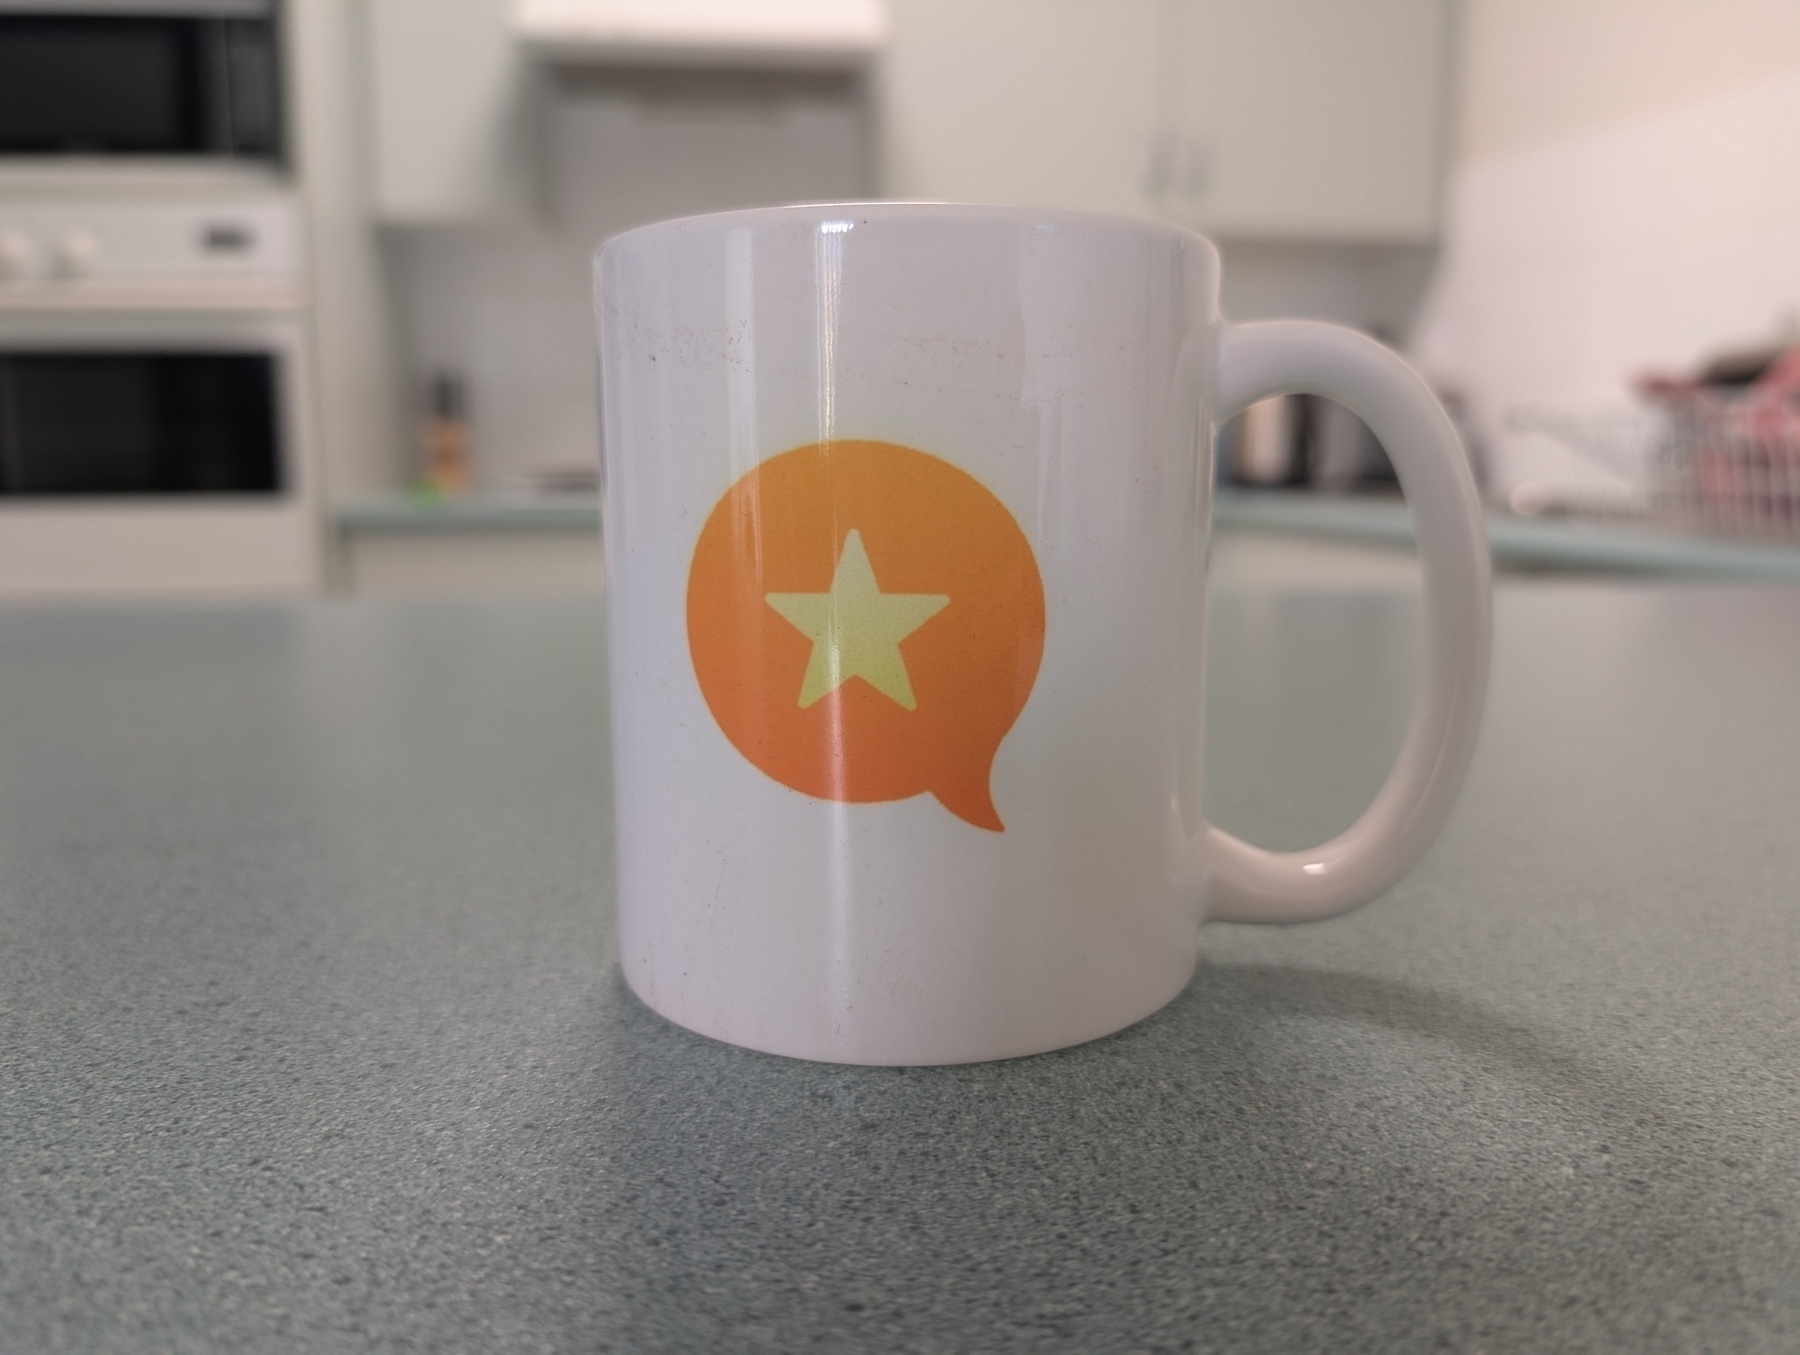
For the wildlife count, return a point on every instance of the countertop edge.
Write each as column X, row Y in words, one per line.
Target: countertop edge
column 1517, row 543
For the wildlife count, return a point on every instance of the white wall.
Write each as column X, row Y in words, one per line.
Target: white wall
column 1626, row 197
column 1536, row 72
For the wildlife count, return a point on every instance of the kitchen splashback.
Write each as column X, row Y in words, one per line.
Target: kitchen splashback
column 507, row 305
column 1647, row 244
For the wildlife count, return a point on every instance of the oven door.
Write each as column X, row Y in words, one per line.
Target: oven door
column 126, row 423
column 154, row 453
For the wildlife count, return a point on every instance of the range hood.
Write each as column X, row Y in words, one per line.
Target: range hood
column 768, row 34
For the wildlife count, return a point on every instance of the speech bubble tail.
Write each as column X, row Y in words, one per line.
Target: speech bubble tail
column 972, row 804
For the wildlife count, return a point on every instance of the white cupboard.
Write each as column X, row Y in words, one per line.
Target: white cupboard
column 1045, row 103
column 1319, row 118
column 1296, row 119
column 449, row 94
column 1292, row 119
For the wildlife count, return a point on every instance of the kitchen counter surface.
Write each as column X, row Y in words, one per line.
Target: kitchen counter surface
column 1520, row 544
column 311, row 1035
column 416, row 514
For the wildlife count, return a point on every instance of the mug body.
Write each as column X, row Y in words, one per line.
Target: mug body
column 906, row 517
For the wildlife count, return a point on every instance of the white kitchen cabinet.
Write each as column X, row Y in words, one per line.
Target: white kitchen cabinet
column 1047, row 103
column 453, row 83
column 1310, row 118
column 449, row 95
column 481, row 545
column 473, row 564
column 1298, row 119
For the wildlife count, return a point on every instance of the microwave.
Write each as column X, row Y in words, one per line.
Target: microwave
column 188, row 78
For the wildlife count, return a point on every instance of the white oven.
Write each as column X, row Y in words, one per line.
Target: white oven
column 154, row 406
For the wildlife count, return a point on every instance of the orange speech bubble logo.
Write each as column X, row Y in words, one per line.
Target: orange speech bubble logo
column 866, row 622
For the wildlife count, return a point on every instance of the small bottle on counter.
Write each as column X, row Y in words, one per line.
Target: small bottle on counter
column 445, row 438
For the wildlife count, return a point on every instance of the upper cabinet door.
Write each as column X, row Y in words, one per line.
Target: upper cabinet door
column 449, row 99
column 1305, row 119
column 1308, row 118
column 1036, row 103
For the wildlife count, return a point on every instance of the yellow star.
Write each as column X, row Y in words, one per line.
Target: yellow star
column 856, row 629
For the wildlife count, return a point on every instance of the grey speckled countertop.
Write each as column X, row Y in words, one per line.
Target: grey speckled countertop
column 310, row 1037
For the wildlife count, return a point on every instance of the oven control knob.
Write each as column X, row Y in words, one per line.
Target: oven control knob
column 17, row 254
column 75, row 253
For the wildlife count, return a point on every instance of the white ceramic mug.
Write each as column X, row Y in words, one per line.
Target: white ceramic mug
column 906, row 516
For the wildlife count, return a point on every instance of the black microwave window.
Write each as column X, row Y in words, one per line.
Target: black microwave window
column 132, row 424
column 137, row 85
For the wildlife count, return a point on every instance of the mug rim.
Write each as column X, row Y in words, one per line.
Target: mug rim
column 917, row 209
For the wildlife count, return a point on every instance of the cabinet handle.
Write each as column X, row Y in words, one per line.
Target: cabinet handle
column 1193, row 166
column 1178, row 166
column 1159, row 163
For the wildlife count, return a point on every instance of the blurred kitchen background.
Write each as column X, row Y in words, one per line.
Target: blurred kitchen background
column 294, row 297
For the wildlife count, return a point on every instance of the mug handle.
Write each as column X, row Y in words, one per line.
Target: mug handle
column 1255, row 361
